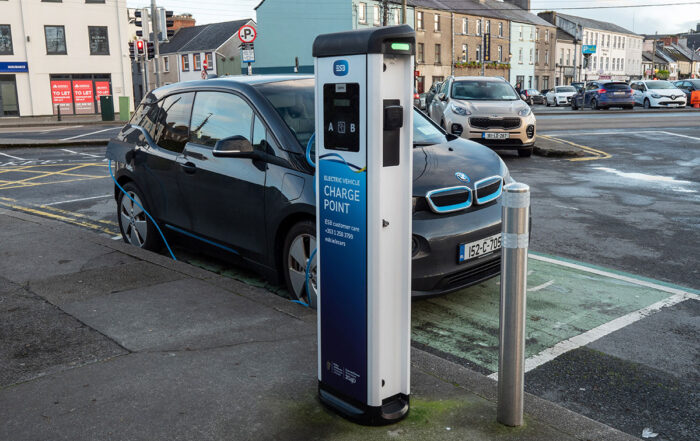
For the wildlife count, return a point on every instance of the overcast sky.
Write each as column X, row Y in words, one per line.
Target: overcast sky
column 646, row 20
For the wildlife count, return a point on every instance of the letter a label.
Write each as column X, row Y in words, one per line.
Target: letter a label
column 330, row 127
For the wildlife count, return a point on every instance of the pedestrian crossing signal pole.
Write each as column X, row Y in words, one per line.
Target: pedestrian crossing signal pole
column 154, row 21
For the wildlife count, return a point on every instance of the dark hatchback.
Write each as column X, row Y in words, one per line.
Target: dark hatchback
column 223, row 161
column 604, row 95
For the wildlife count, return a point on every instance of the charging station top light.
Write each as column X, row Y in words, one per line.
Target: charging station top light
column 400, row 46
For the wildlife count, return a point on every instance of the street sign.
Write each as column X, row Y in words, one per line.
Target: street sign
column 487, row 46
column 247, row 34
column 248, row 55
column 588, row 49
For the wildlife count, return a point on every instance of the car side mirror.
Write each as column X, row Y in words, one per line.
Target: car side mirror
column 234, row 147
column 442, row 96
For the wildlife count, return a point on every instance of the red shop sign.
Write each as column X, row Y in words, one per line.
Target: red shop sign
column 83, row 97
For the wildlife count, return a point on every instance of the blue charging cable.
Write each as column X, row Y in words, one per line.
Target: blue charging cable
column 141, row 207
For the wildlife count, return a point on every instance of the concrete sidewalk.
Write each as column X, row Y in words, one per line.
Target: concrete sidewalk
column 100, row 340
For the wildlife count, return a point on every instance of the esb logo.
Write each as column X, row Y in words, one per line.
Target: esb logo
column 340, row 68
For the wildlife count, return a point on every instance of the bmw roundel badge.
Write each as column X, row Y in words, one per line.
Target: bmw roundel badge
column 462, row 177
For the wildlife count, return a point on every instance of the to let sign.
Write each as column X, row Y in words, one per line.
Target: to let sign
column 83, row 97
column 62, row 96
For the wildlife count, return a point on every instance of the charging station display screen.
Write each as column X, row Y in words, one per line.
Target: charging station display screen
column 341, row 116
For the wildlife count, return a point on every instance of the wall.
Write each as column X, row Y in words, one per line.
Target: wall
column 545, row 45
column 34, row 87
column 430, row 67
column 287, row 30
column 526, row 43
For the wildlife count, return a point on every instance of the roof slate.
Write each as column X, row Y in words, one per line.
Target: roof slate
column 202, row 38
column 487, row 8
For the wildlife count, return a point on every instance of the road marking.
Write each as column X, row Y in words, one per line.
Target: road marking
column 70, row 151
column 117, row 237
column 36, row 184
column 597, row 154
column 565, row 133
column 58, row 217
column 600, row 331
column 541, row 287
column 567, row 207
column 81, row 153
column 678, row 134
column 78, row 200
column 91, row 133
column 13, row 157
column 60, row 128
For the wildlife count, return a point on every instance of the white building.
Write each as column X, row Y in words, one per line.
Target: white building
column 62, row 54
column 618, row 52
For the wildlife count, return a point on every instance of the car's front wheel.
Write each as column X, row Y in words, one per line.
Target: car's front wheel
column 647, row 103
column 594, row 105
column 136, row 227
column 299, row 246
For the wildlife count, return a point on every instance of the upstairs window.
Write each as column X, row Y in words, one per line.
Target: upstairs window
column 55, row 40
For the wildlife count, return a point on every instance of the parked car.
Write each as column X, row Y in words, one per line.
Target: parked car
column 222, row 162
column 487, row 110
column 560, row 95
column 430, row 96
column 688, row 86
column 532, row 96
column 418, row 99
column 604, row 95
column 578, row 85
column 657, row 93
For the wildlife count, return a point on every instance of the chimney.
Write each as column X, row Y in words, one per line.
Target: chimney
column 697, row 28
column 522, row 4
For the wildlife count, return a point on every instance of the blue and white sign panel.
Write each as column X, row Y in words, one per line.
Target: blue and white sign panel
column 14, row 66
column 588, row 49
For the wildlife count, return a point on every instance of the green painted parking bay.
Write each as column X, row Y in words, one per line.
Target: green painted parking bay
column 565, row 300
column 569, row 305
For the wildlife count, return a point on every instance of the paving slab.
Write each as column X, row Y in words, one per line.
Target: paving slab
column 183, row 315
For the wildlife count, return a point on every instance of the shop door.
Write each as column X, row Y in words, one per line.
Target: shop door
column 8, row 96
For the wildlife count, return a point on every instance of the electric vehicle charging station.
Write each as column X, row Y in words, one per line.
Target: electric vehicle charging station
column 364, row 160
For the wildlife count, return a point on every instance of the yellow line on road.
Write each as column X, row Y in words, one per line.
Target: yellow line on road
column 47, row 174
column 35, row 184
column 76, row 214
column 597, row 154
column 58, row 217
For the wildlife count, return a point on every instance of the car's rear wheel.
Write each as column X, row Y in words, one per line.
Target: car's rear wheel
column 647, row 103
column 525, row 153
column 136, row 227
column 299, row 246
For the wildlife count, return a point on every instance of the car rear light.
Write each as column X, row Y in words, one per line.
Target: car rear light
column 416, row 96
column 602, row 91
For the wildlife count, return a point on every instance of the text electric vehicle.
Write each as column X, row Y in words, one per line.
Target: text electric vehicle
column 224, row 161
column 487, row 110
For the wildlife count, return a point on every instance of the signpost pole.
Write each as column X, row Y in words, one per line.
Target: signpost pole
column 483, row 49
column 156, row 38
column 144, row 76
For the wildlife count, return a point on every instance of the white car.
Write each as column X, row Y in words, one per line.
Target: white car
column 560, row 95
column 657, row 93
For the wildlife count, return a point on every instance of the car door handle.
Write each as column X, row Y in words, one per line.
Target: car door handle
column 189, row 167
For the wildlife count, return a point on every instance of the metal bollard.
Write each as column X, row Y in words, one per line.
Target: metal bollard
column 511, row 356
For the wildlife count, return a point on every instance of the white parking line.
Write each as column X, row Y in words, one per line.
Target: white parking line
column 91, row 133
column 81, row 153
column 541, row 287
column 13, row 157
column 567, row 133
column 78, row 200
column 598, row 332
column 60, row 128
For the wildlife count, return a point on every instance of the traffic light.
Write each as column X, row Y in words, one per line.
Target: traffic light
column 132, row 51
column 140, row 48
column 141, row 22
column 151, row 50
column 169, row 24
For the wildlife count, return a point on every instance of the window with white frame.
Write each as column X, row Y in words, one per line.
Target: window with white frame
column 465, row 53
column 546, row 36
column 166, row 64
column 500, row 29
column 521, row 32
column 520, row 55
column 377, row 15
column 419, row 20
column 561, row 57
column 568, row 57
column 537, row 34
column 478, row 53
column 478, row 27
column 488, row 26
column 362, row 12
column 500, row 53
column 436, row 23
column 537, row 56
column 465, row 26
column 531, row 55
column 546, row 57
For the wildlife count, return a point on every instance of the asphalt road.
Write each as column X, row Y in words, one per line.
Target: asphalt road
column 635, row 209
column 62, row 133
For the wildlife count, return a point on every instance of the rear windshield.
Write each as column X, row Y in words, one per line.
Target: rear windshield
column 483, row 90
column 294, row 102
column 616, row 86
column 660, row 85
column 565, row 89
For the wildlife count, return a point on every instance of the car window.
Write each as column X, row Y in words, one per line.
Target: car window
column 146, row 117
column 424, row 131
column 564, row 89
column 172, row 130
column 616, row 86
column 483, row 90
column 219, row 115
column 592, row 86
column 660, row 85
column 444, row 87
column 294, row 102
column 262, row 140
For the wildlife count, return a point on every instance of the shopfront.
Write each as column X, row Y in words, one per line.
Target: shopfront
column 9, row 104
column 79, row 94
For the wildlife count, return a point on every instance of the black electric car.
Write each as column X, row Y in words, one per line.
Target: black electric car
column 223, row 161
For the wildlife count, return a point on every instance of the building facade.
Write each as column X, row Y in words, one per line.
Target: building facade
column 56, row 55
column 618, row 52
column 565, row 62
column 287, row 30
column 522, row 64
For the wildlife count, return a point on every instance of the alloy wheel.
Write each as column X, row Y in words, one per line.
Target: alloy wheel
column 297, row 262
column 134, row 224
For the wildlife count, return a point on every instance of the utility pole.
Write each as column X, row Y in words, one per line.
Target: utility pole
column 403, row 12
column 144, row 76
column 483, row 43
column 154, row 22
column 385, row 12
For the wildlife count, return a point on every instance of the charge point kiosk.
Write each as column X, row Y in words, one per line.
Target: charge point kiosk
column 364, row 160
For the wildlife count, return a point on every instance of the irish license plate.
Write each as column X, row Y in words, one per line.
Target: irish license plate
column 481, row 247
column 496, row 135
